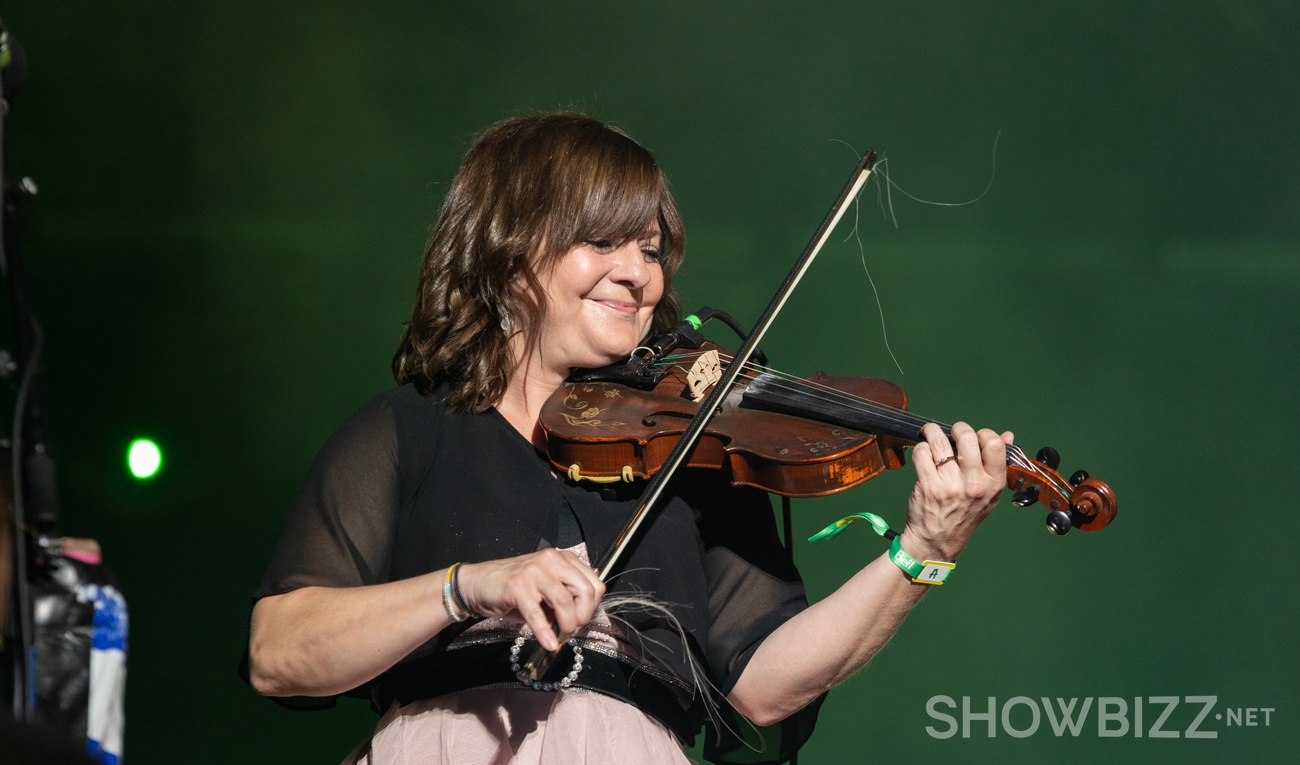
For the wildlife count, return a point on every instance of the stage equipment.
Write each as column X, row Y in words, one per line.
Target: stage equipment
column 64, row 619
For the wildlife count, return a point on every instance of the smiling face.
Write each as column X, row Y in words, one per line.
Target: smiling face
column 542, row 260
column 600, row 302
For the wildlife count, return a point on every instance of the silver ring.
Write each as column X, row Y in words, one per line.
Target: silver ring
column 946, row 460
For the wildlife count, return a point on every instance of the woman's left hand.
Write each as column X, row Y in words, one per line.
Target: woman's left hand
column 955, row 489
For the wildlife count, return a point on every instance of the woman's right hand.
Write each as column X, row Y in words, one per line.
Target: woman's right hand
column 540, row 589
column 319, row 641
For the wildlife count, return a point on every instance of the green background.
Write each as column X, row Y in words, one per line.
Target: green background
column 234, row 198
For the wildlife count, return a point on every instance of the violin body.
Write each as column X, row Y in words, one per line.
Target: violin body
column 604, row 427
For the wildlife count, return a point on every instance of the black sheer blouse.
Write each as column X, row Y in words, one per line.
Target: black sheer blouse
column 405, row 487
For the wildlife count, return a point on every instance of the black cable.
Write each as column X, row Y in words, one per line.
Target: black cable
column 709, row 312
column 23, row 707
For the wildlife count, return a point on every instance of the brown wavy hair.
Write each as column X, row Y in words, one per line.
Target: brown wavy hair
column 528, row 190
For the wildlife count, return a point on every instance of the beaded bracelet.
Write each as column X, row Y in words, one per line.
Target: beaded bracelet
column 537, row 685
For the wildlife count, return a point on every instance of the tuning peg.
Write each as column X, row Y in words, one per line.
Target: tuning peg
column 1025, row 497
column 1079, row 477
column 1049, row 457
column 1058, row 522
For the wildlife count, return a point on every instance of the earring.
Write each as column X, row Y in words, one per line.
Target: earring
column 506, row 323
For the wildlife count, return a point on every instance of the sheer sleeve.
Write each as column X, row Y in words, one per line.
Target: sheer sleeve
column 753, row 589
column 753, row 585
column 339, row 530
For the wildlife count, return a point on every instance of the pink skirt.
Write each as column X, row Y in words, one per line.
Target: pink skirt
column 513, row 726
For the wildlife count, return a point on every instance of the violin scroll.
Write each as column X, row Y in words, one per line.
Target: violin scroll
column 1092, row 505
column 1082, row 502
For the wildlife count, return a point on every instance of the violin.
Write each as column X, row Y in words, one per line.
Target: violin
column 807, row 437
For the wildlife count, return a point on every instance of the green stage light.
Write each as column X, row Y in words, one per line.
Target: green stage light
column 144, row 458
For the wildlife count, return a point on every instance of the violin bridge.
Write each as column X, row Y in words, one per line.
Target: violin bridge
column 706, row 371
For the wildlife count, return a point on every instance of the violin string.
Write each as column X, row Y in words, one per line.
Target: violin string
column 826, row 394
column 891, row 415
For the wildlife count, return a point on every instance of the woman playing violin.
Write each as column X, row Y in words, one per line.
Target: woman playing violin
column 431, row 543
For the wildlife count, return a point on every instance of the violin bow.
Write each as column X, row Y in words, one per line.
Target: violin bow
column 541, row 659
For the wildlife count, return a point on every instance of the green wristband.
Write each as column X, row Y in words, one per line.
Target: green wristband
column 929, row 572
